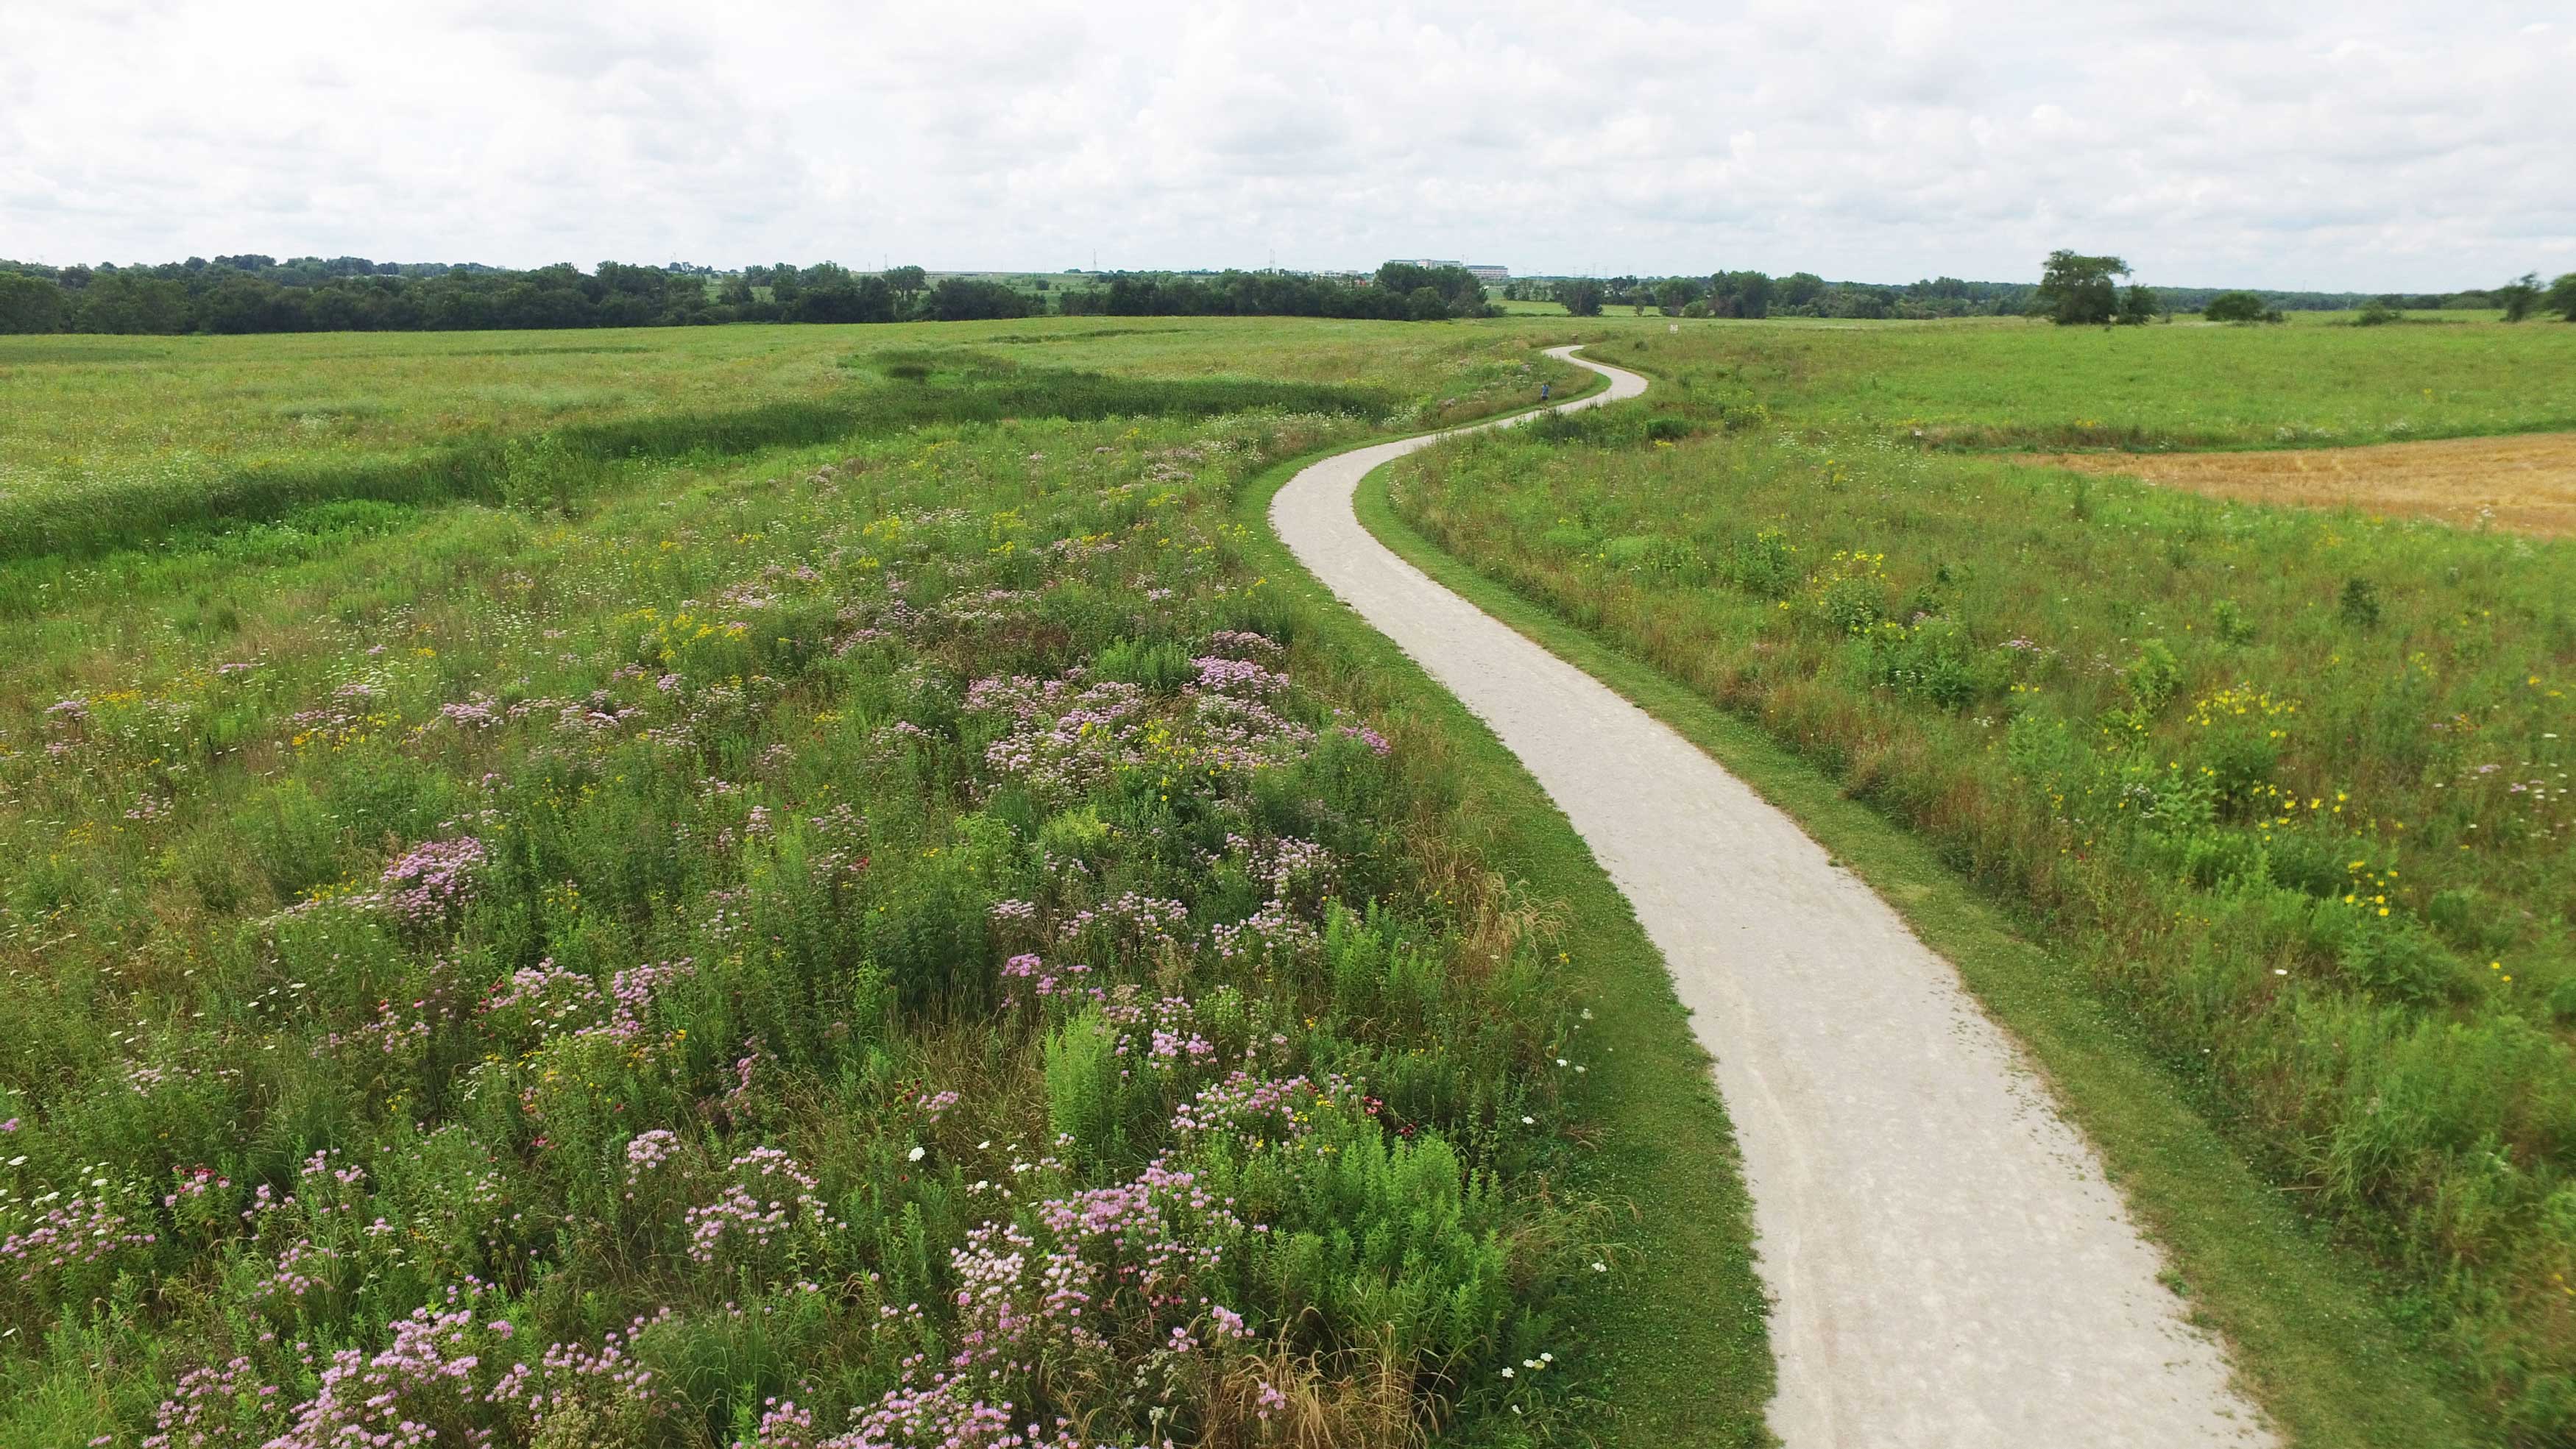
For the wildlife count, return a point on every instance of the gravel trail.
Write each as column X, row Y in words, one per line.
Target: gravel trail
column 1948, row 1264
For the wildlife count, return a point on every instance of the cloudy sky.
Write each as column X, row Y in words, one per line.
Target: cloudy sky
column 2353, row 144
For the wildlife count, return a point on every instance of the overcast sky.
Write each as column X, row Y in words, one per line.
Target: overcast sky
column 2355, row 144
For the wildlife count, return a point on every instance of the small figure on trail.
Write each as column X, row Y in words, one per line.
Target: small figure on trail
column 1542, row 392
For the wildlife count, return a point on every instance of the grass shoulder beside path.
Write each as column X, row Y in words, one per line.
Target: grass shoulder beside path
column 2309, row 1338
column 1674, row 1347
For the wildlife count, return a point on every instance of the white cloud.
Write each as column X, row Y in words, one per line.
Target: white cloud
column 2367, row 144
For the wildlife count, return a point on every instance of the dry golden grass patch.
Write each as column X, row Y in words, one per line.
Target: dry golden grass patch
column 2525, row 482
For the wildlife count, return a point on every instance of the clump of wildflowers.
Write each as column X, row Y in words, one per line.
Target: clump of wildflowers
column 427, row 884
column 71, row 1233
column 770, row 1195
column 648, row 1151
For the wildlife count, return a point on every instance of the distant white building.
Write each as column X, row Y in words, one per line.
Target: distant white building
column 1482, row 271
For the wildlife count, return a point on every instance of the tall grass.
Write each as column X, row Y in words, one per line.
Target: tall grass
column 2293, row 785
column 893, row 940
column 94, row 411
column 558, row 465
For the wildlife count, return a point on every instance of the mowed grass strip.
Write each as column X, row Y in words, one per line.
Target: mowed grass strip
column 2307, row 1327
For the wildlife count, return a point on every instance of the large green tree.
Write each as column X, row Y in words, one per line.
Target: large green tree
column 30, row 304
column 2235, row 307
column 1456, row 289
column 125, row 301
column 2519, row 296
column 968, row 299
column 1739, row 294
column 843, row 298
column 2561, row 297
column 2077, row 290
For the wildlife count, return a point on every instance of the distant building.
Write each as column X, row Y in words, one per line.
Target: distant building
column 1483, row 271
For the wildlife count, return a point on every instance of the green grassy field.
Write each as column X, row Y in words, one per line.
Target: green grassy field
column 2020, row 383
column 741, row 940
column 104, row 440
column 2285, row 792
column 82, row 407
column 451, row 782
column 2307, row 1334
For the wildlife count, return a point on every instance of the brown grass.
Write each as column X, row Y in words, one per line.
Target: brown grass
column 1365, row 1402
column 2526, row 483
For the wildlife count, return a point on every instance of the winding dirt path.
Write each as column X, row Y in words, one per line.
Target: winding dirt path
column 1948, row 1264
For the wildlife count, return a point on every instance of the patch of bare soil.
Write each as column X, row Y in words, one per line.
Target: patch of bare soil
column 2526, row 483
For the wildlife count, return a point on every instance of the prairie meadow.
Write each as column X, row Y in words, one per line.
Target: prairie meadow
column 2290, row 786
column 907, row 937
column 2016, row 383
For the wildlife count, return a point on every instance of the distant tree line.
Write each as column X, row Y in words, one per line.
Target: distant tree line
column 252, row 293
column 2519, row 300
column 1398, row 292
column 260, row 294
column 2078, row 290
column 1758, row 294
column 2085, row 295
column 352, row 294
